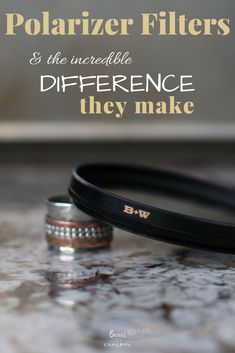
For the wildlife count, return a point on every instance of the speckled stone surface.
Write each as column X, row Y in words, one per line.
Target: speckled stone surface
column 137, row 296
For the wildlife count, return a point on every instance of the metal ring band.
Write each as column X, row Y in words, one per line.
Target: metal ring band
column 78, row 243
column 60, row 207
column 78, row 237
column 80, row 233
column 68, row 227
column 75, row 224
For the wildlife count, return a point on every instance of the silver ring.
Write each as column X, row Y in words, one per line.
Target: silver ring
column 61, row 208
column 67, row 227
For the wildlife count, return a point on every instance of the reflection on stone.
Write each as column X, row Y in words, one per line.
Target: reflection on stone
column 77, row 270
column 140, row 294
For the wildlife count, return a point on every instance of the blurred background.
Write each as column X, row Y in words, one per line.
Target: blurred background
column 44, row 134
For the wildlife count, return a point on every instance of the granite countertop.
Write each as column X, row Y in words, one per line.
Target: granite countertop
column 137, row 296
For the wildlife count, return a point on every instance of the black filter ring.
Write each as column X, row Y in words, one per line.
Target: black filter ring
column 88, row 191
